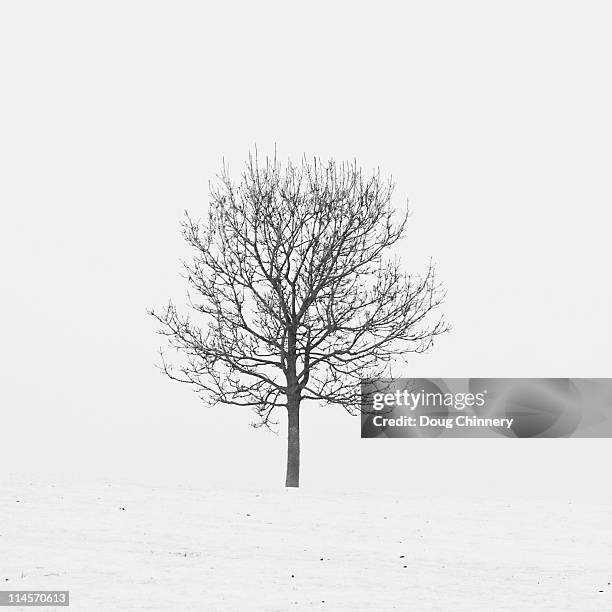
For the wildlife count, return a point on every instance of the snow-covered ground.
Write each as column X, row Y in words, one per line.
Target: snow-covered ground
column 121, row 547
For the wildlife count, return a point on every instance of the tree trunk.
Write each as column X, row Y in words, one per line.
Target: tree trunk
column 293, row 444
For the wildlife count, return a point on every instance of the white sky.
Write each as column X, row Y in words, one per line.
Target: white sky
column 492, row 117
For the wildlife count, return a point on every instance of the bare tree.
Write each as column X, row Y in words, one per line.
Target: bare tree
column 292, row 295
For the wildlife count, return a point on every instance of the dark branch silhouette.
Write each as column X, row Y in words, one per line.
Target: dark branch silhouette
column 292, row 296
